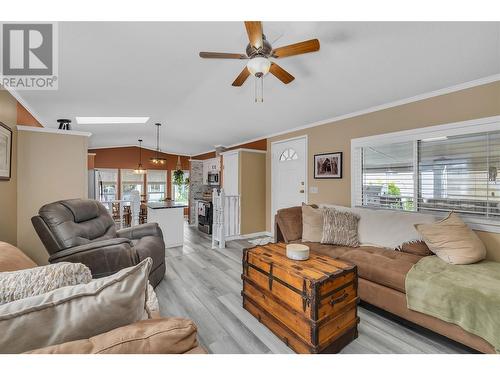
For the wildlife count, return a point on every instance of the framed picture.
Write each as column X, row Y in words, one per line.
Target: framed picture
column 328, row 165
column 5, row 151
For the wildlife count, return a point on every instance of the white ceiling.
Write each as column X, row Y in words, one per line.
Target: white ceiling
column 153, row 69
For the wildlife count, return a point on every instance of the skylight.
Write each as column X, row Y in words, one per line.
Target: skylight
column 112, row 120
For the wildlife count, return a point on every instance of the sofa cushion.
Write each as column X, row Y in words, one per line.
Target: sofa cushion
column 290, row 223
column 13, row 259
column 381, row 266
column 453, row 241
column 154, row 336
column 312, row 223
column 75, row 312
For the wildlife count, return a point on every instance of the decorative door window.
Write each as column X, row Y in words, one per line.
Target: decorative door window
column 289, row 154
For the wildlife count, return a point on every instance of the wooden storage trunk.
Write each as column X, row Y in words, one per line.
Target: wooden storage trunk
column 311, row 305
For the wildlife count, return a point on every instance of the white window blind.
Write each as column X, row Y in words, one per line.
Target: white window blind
column 107, row 184
column 130, row 182
column 157, row 183
column 387, row 176
column 460, row 173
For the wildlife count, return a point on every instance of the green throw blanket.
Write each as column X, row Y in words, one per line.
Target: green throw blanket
column 466, row 295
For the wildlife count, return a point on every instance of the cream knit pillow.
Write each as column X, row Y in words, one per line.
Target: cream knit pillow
column 16, row 285
column 452, row 240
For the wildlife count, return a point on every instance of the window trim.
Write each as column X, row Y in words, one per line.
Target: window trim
column 480, row 125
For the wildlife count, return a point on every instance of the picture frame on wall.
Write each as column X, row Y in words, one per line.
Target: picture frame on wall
column 328, row 165
column 5, row 152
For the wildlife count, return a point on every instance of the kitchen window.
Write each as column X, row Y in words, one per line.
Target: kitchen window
column 434, row 170
column 130, row 182
column 180, row 193
column 157, row 183
column 107, row 184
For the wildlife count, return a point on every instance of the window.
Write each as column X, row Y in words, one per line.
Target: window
column 289, row 154
column 157, row 183
column 460, row 173
column 388, row 176
column 106, row 184
column 130, row 182
column 436, row 170
column 180, row 193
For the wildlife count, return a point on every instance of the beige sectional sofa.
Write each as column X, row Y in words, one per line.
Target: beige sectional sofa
column 381, row 269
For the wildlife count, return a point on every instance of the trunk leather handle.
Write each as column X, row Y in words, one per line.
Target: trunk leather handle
column 333, row 301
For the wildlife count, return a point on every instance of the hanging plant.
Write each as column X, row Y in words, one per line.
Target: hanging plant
column 179, row 177
column 186, row 181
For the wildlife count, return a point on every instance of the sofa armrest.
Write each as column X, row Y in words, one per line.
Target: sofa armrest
column 102, row 257
column 139, row 231
column 153, row 336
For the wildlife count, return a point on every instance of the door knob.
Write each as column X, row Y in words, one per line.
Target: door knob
column 301, row 191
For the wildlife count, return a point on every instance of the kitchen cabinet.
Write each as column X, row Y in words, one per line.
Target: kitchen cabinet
column 210, row 165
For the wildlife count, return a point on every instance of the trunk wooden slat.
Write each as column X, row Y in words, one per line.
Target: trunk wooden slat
column 311, row 305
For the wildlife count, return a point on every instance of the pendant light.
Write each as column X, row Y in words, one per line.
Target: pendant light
column 157, row 159
column 178, row 166
column 140, row 169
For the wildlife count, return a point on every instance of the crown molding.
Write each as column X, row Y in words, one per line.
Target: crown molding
column 52, row 131
column 396, row 103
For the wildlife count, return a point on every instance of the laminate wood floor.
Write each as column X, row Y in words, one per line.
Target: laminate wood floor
column 205, row 284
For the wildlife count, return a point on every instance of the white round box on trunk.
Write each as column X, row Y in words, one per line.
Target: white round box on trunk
column 297, row 251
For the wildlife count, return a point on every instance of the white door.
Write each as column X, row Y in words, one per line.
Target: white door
column 289, row 174
column 230, row 173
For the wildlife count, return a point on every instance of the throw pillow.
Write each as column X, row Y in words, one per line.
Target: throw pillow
column 75, row 312
column 452, row 240
column 340, row 228
column 155, row 336
column 29, row 282
column 415, row 247
column 312, row 223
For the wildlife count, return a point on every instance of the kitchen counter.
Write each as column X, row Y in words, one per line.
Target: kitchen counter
column 170, row 217
column 166, row 204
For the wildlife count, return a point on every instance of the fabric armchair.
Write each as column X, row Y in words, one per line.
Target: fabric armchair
column 83, row 231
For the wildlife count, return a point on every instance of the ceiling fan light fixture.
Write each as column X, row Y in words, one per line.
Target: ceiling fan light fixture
column 259, row 66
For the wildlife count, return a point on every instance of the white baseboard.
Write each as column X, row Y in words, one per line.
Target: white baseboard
column 249, row 235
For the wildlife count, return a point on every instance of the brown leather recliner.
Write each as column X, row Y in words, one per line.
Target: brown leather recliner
column 83, row 231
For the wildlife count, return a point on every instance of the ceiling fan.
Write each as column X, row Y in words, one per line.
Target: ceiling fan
column 259, row 51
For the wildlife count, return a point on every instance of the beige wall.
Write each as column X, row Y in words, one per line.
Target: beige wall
column 252, row 174
column 472, row 103
column 51, row 167
column 8, row 189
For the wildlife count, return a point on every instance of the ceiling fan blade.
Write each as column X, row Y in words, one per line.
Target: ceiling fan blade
column 254, row 31
column 281, row 73
column 222, row 55
column 297, row 48
column 242, row 77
